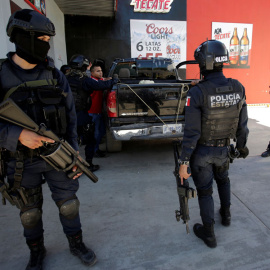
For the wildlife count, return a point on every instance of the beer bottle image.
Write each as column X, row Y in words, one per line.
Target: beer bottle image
column 244, row 49
column 234, row 48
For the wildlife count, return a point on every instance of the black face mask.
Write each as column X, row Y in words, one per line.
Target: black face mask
column 30, row 48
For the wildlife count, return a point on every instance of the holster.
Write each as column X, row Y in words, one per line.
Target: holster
column 233, row 153
column 4, row 186
column 5, row 193
column 15, row 197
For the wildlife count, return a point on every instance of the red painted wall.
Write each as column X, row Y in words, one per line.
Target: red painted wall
column 201, row 14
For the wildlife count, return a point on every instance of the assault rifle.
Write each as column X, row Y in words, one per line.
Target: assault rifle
column 60, row 155
column 184, row 191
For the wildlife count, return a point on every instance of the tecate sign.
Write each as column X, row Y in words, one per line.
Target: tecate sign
column 155, row 6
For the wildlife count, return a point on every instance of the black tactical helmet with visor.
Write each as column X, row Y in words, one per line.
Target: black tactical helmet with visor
column 79, row 61
column 211, row 55
column 24, row 27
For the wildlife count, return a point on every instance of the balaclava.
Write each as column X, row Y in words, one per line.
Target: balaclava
column 29, row 47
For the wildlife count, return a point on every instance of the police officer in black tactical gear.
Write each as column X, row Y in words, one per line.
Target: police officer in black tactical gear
column 82, row 87
column 215, row 112
column 44, row 94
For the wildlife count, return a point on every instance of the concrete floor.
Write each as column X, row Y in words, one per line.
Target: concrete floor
column 128, row 216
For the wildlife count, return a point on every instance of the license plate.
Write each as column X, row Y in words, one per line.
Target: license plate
column 172, row 128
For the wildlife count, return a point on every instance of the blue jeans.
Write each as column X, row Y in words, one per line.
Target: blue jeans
column 62, row 188
column 207, row 164
column 100, row 129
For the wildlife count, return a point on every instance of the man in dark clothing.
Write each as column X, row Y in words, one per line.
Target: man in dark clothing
column 44, row 94
column 82, row 87
column 215, row 112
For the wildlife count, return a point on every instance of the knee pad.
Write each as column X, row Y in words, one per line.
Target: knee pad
column 70, row 208
column 31, row 217
column 205, row 192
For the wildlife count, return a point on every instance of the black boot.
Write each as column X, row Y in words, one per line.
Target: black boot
column 267, row 152
column 78, row 248
column 225, row 216
column 92, row 167
column 100, row 154
column 206, row 233
column 38, row 252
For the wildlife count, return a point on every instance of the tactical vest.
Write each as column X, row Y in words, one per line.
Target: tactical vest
column 42, row 100
column 220, row 113
column 82, row 98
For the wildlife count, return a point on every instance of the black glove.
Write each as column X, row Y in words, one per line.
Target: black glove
column 243, row 152
column 116, row 79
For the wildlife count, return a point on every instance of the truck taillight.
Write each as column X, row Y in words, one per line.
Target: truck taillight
column 111, row 104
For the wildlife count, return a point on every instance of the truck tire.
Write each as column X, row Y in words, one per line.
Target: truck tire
column 112, row 145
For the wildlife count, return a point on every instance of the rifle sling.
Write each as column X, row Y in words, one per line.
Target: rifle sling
column 30, row 84
column 18, row 170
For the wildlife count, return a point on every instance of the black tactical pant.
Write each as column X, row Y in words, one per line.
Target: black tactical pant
column 86, row 133
column 206, row 164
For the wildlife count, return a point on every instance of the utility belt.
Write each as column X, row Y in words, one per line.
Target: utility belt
column 216, row 143
column 26, row 153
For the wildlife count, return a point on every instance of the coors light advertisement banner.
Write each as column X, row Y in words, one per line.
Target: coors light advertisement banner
column 237, row 38
column 159, row 39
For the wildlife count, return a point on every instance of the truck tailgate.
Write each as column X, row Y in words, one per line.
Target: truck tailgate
column 148, row 100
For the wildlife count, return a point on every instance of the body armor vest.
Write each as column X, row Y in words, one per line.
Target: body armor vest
column 41, row 99
column 220, row 113
column 82, row 98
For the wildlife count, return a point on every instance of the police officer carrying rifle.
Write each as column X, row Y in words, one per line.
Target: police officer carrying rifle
column 29, row 78
column 215, row 112
column 82, row 87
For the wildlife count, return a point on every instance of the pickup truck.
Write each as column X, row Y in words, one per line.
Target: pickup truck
column 147, row 103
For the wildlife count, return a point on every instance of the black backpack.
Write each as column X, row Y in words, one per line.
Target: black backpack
column 82, row 98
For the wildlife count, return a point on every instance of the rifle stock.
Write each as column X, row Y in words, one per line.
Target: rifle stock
column 60, row 155
column 184, row 191
column 12, row 113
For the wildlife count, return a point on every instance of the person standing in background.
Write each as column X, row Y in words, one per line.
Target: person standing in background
column 96, row 110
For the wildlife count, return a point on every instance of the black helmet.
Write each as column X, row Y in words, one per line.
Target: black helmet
column 65, row 68
column 30, row 21
column 211, row 54
column 79, row 61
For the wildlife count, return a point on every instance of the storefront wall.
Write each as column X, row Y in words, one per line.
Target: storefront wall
column 110, row 38
column 5, row 44
column 201, row 14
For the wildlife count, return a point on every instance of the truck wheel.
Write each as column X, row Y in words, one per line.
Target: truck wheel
column 112, row 144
